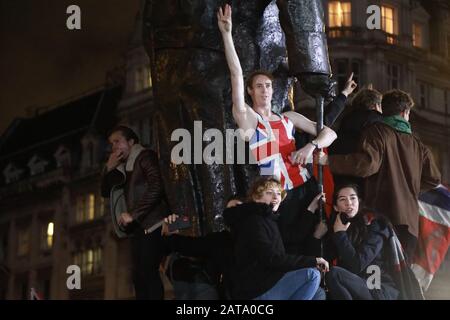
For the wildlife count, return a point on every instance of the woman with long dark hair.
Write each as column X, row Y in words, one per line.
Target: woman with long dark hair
column 360, row 241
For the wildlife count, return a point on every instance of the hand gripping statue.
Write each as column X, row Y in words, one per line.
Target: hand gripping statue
column 191, row 82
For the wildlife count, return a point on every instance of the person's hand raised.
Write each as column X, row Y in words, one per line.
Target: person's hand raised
column 350, row 86
column 224, row 19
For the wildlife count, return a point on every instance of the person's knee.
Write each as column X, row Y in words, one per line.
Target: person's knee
column 314, row 275
column 333, row 275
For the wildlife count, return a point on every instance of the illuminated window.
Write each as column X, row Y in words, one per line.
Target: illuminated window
column 85, row 208
column 23, row 242
column 388, row 23
column 417, row 35
column 89, row 261
column 339, row 14
column 91, row 207
column 47, row 234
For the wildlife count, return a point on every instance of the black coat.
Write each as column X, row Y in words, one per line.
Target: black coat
column 372, row 251
column 259, row 257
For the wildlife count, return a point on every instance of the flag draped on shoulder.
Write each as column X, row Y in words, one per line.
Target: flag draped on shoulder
column 434, row 234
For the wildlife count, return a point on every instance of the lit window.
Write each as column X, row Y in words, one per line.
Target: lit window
column 417, row 35
column 388, row 23
column 91, row 207
column 85, row 208
column 339, row 14
column 89, row 261
column 47, row 236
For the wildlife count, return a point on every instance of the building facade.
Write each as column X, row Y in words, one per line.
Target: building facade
column 51, row 212
column 400, row 44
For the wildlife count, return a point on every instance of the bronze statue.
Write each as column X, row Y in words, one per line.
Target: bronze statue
column 191, row 81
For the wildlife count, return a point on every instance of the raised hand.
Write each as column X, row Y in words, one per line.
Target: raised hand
column 350, row 86
column 224, row 19
column 115, row 158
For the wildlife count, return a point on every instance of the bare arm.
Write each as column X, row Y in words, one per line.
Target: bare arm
column 244, row 116
column 324, row 139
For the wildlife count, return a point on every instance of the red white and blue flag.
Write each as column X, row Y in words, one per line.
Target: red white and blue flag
column 271, row 146
column 434, row 234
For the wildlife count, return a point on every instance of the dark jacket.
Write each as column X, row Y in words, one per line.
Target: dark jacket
column 143, row 188
column 389, row 161
column 372, row 251
column 259, row 258
column 349, row 135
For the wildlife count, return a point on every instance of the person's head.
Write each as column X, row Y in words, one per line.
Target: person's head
column 346, row 199
column 259, row 88
column 267, row 190
column 397, row 102
column 122, row 140
column 367, row 99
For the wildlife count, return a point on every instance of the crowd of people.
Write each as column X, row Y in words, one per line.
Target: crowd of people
column 276, row 245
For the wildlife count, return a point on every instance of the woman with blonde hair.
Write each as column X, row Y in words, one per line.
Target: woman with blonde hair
column 261, row 268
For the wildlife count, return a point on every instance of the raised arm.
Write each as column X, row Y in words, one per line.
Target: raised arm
column 244, row 116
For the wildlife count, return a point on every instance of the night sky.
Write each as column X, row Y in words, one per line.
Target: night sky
column 43, row 63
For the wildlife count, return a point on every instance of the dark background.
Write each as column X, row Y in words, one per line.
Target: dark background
column 43, row 63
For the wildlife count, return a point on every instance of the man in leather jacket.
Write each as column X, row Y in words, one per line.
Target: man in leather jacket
column 135, row 169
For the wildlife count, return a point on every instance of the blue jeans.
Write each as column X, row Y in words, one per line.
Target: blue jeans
column 320, row 294
column 301, row 284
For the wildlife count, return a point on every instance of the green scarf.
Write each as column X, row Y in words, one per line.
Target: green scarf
column 398, row 123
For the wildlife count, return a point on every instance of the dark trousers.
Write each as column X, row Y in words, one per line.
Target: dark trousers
column 147, row 253
column 408, row 241
column 345, row 285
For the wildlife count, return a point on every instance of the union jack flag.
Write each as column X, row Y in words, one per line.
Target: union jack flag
column 434, row 234
column 271, row 146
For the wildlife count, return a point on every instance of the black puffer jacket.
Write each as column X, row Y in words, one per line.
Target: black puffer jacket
column 259, row 258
